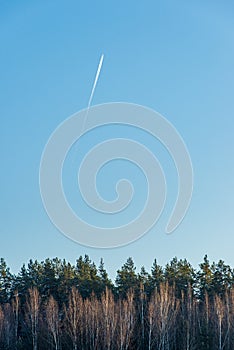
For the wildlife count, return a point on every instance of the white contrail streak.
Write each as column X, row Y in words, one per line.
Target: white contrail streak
column 93, row 89
column 96, row 80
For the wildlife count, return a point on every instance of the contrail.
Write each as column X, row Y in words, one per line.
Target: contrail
column 93, row 89
column 96, row 80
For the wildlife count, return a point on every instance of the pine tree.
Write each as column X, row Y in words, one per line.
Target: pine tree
column 222, row 278
column 156, row 277
column 126, row 278
column 205, row 278
column 5, row 282
column 105, row 281
column 67, row 276
column 87, row 278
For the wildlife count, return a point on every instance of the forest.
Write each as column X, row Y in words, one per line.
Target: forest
column 54, row 304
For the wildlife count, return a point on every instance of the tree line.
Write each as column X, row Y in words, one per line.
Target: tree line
column 56, row 305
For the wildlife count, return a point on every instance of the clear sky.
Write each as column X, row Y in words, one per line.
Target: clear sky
column 173, row 56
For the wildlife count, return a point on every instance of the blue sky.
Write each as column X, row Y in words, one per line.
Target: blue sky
column 173, row 56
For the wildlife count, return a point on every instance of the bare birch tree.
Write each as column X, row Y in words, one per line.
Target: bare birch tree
column 73, row 315
column 151, row 318
column 8, row 326
column 108, row 320
column 15, row 308
column 188, row 315
column 219, row 313
column 231, row 298
column 142, row 313
column 162, row 312
column 52, row 317
column 1, row 324
column 92, row 320
column 126, row 320
column 33, row 301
